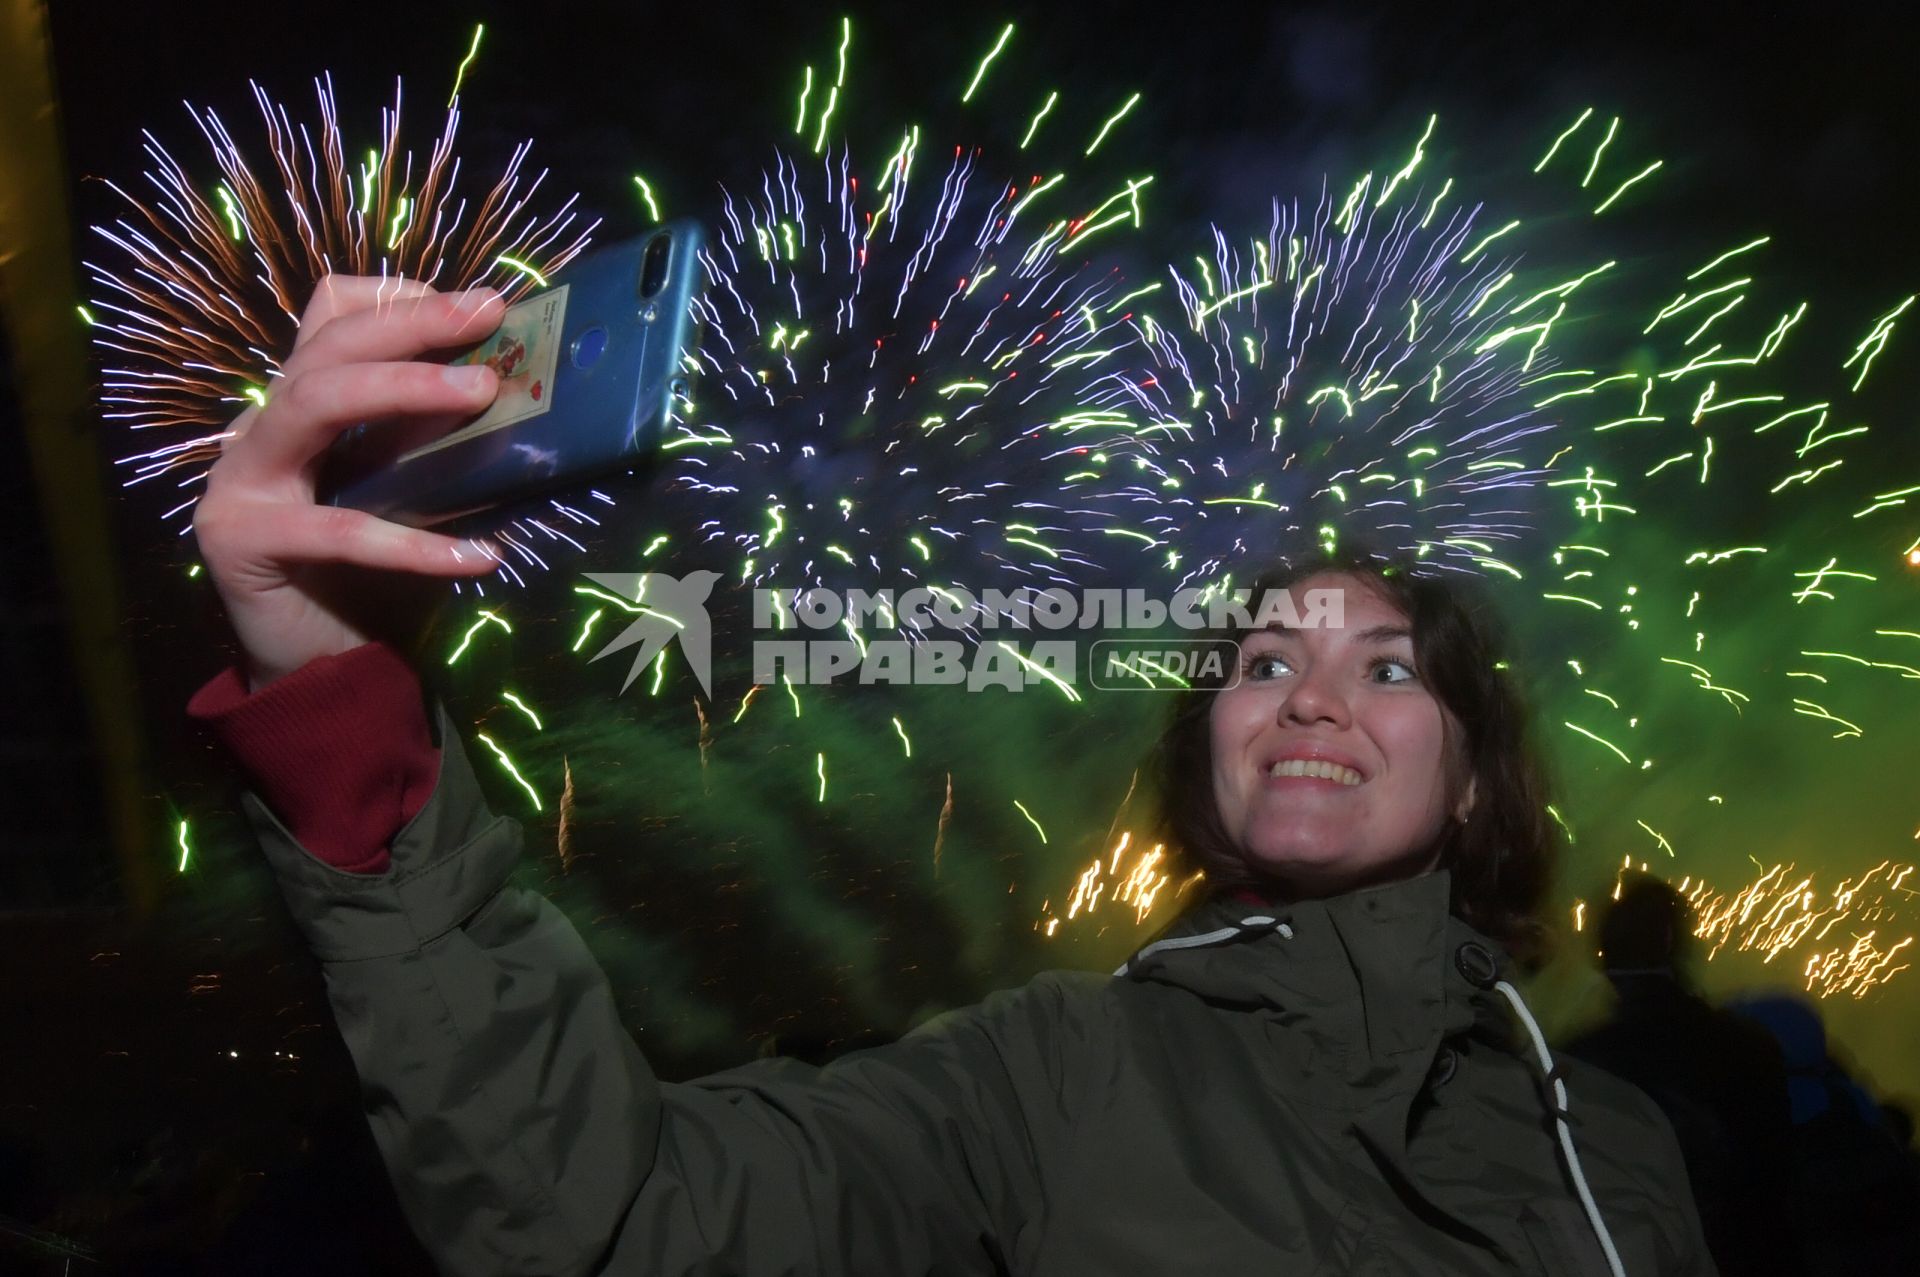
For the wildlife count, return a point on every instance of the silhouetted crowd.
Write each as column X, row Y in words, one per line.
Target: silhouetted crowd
column 1795, row 1168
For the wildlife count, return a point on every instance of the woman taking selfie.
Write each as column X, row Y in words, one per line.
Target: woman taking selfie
column 1321, row 1067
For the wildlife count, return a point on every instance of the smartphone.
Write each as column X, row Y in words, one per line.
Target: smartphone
column 590, row 368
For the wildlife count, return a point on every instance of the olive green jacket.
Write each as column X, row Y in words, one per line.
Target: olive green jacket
column 1331, row 1095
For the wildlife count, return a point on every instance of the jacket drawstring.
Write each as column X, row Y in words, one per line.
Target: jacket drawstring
column 1256, row 923
column 1561, row 1127
column 1260, row 923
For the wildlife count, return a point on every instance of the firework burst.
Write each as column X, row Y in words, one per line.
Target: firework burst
column 1367, row 366
column 881, row 364
column 197, row 300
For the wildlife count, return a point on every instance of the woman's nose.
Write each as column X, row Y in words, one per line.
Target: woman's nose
column 1314, row 699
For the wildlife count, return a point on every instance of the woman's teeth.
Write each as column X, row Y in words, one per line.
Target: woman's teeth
column 1316, row 769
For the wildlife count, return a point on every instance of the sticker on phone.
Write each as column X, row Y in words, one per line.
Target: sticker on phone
column 523, row 353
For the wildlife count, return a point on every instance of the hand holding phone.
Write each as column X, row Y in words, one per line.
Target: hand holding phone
column 301, row 580
column 588, row 371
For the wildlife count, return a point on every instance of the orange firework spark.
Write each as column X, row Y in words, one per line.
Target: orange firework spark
column 1785, row 910
column 204, row 300
column 1138, row 888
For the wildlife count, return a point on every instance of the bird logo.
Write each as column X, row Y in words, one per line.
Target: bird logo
column 664, row 608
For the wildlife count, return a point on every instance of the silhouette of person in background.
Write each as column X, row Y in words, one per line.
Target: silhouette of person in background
column 1720, row 1080
column 1900, row 1120
column 1856, row 1201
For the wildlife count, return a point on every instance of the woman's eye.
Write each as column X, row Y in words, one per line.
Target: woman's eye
column 1391, row 671
column 1266, row 665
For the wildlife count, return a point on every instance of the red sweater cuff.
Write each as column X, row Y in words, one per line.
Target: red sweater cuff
column 339, row 749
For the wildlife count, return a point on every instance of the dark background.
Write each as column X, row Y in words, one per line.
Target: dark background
column 130, row 1125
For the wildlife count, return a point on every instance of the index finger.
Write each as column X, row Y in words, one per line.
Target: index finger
column 337, row 295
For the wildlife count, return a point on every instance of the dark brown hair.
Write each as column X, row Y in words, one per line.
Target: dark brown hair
column 1502, row 857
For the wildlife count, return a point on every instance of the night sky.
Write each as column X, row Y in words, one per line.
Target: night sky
column 735, row 911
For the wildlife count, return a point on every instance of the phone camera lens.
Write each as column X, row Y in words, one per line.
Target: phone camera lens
column 653, row 265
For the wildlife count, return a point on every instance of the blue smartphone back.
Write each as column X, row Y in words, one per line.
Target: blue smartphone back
column 589, row 368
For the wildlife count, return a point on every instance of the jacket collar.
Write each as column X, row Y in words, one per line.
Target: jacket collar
column 1366, row 987
column 1370, row 976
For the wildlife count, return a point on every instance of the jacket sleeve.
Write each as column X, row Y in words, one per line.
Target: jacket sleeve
column 525, row 1134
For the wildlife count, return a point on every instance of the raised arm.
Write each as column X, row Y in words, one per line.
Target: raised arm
column 523, row 1130
column 526, row 1134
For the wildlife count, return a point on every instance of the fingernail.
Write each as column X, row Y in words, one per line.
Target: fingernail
column 465, row 377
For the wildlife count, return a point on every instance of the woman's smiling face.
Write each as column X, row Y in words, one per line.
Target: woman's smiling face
column 1330, row 755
